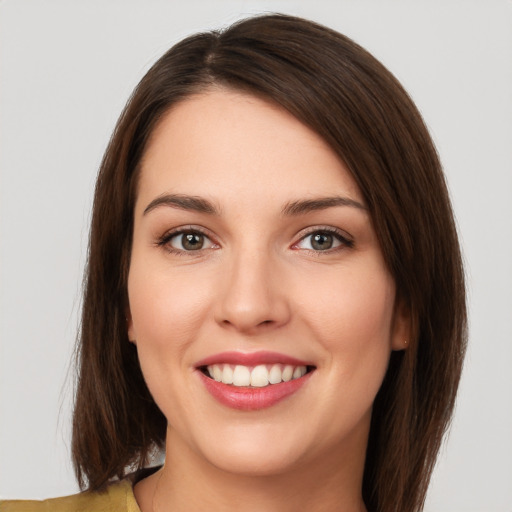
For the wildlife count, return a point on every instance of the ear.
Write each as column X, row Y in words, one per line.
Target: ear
column 129, row 326
column 402, row 326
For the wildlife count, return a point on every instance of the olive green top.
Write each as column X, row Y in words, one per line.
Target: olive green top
column 117, row 497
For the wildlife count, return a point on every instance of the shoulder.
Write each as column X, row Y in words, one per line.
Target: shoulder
column 117, row 497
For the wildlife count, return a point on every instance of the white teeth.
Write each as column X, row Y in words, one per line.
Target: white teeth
column 259, row 376
column 227, row 374
column 298, row 372
column 275, row 375
column 287, row 373
column 217, row 373
column 241, row 376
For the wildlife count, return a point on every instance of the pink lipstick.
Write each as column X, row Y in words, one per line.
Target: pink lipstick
column 252, row 381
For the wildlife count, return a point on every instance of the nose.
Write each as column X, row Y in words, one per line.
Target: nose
column 252, row 297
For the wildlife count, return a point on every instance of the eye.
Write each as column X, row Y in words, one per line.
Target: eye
column 186, row 241
column 323, row 240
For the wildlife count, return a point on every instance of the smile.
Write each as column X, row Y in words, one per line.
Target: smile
column 257, row 377
column 253, row 381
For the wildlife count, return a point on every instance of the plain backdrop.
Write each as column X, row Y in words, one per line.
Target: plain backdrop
column 67, row 69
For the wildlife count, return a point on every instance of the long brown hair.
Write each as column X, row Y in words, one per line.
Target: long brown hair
column 344, row 94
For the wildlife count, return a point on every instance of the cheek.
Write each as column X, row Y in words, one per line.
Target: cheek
column 355, row 309
column 166, row 311
column 352, row 318
column 166, row 314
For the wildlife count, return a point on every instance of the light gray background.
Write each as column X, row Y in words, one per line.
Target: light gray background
column 67, row 69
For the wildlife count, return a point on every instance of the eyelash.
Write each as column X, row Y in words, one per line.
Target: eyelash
column 164, row 240
column 340, row 236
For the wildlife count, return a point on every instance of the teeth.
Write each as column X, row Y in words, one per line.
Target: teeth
column 275, row 375
column 241, row 376
column 227, row 374
column 297, row 373
column 287, row 373
column 258, row 377
column 217, row 373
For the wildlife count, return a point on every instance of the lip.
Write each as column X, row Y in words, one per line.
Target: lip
column 251, row 359
column 251, row 398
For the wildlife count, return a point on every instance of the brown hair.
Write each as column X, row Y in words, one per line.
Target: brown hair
column 344, row 94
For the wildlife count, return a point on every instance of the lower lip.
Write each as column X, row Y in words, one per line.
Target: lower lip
column 252, row 399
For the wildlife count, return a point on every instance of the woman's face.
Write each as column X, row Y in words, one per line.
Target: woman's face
column 254, row 259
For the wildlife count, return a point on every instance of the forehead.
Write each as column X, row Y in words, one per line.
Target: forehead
column 222, row 143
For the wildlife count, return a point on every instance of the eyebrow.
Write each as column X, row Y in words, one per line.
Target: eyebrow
column 183, row 202
column 321, row 203
column 198, row 204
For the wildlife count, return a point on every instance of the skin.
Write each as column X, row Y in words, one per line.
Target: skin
column 257, row 284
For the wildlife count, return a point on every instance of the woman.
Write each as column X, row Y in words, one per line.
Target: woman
column 274, row 290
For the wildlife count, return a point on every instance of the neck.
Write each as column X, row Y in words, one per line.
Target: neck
column 330, row 483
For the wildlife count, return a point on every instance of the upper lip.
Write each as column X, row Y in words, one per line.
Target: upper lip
column 251, row 359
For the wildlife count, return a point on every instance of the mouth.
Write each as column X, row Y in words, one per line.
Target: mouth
column 260, row 376
column 253, row 381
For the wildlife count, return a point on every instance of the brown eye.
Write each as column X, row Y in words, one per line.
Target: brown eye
column 189, row 241
column 322, row 241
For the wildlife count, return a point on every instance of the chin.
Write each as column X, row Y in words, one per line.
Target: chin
column 254, row 451
column 251, row 462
